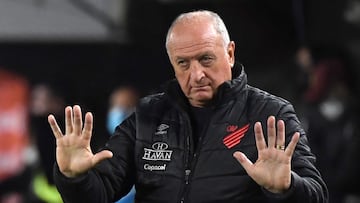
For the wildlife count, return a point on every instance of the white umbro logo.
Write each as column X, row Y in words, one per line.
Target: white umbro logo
column 161, row 129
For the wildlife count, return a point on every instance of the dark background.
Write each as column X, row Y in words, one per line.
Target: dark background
column 266, row 34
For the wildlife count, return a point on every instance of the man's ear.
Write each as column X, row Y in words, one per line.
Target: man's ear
column 231, row 53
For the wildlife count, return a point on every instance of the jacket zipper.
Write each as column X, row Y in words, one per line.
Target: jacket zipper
column 189, row 167
column 187, row 171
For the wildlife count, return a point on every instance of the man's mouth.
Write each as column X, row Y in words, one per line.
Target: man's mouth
column 201, row 88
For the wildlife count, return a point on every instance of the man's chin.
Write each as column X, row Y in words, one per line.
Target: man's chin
column 203, row 98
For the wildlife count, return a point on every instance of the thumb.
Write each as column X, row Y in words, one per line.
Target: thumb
column 102, row 155
column 243, row 160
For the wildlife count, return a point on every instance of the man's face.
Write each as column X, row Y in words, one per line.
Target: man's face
column 200, row 60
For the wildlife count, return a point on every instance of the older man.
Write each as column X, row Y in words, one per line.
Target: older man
column 201, row 140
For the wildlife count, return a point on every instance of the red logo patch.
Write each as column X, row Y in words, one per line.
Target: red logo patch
column 234, row 138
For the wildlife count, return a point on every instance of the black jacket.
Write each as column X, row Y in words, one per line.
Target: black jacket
column 154, row 150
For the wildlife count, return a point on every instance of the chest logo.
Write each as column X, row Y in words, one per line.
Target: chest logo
column 234, row 138
column 161, row 129
column 158, row 152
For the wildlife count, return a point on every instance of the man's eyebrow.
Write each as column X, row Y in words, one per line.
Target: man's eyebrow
column 199, row 55
column 180, row 57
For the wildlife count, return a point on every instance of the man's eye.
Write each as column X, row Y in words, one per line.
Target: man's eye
column 182, row 63
column 206, row 60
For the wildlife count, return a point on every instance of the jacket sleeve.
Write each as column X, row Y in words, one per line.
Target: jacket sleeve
column 109, row 180
column 307, row 185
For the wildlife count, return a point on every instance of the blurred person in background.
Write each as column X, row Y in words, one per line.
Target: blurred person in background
column 330, row 114
column 122, row 102
column 201, row 140
column 15, row 173
column 44, row 99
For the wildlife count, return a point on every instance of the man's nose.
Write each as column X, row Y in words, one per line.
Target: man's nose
column 197, row 71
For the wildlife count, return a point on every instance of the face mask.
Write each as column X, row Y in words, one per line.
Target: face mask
column 115, row 116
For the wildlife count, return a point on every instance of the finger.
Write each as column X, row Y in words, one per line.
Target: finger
column 259, row 136
column 291, row 146
column 68, row 120
column 102, row 155
column 77, row 120
column 54, row 127
column 88, row 125
column 244, row 161
column 271, row 131
column 280, row 138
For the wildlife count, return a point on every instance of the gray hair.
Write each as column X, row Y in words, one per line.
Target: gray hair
column 216, row 21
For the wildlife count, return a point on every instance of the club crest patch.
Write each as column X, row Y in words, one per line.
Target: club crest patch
column 234, row 138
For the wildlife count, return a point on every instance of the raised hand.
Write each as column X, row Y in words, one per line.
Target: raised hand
column 73, row 151
column 272, row 169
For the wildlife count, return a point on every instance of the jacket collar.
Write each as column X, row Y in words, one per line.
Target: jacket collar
column 227, row 91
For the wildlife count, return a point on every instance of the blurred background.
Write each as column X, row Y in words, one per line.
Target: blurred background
column 57, row 53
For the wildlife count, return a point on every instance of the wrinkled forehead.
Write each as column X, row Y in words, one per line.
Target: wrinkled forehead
column 192, row 33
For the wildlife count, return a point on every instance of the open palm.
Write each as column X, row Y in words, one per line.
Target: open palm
column 73, row 151
column 272, row 169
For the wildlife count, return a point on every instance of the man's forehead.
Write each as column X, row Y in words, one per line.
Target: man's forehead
column 193, row 38
column 193, row 49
